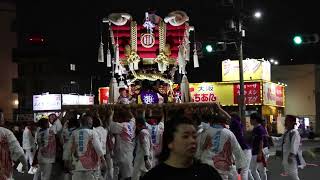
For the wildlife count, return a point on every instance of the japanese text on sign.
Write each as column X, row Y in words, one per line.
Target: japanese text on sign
column 252, row 93
column 204, row 97
column 47, row 102
column 203, row 92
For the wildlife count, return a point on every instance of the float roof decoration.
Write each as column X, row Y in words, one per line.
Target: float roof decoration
column 169, row 33
column 164, row 42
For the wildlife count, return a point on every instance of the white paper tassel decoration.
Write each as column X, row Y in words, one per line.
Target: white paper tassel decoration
column 118, row 69
column 184, row 88
column 101, row 54
column 136, row 65
column 131, row 66
column 195, row 57
column 112, row 90
column 159, row 67
column 117, row 54
column 120, row 72
column 188, row 52
column 109, row 58
column 181, row 60
column 164, row 67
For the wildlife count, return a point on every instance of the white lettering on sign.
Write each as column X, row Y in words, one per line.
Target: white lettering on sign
column 47, row 102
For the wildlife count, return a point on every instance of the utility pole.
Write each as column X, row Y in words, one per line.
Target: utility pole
column 240, row 51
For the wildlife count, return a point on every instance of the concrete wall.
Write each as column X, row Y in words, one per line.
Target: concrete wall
column 8, row 69
column 300, row 92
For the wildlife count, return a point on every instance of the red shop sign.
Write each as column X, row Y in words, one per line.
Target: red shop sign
column 103, row 95
column 252, row 93
column 279, row 95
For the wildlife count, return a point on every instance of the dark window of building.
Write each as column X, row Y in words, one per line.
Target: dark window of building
column 16, row 86
column 13, row 26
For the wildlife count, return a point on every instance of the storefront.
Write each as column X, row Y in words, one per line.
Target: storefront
column 46, row 104
column 265, row 98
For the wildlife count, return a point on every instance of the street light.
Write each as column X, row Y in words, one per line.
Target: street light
column 272, row 60
column 16, row 102
column 257, row 14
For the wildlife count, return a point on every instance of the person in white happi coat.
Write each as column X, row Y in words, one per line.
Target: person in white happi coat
column 143, row 158
column 10, row 151
column 221, row 148
column 46, row 142
column 203, row 125
column 56, row 125
column 290, row 143
column 85, row 150
column 109, row 142
column 155, row 128
column 71, row 124
column 124, row 131
column 55, row 122
column 109, row 155
column 28, row 144
column 102, row 134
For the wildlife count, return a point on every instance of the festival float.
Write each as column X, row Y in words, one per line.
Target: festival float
column 154, row 51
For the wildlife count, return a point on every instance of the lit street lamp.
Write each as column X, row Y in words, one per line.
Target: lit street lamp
column 272, row 60
column 257, row 14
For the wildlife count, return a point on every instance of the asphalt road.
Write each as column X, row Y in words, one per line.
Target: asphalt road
column 310, row 172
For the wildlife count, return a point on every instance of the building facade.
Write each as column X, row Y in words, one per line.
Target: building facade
column 8, row 99
column 301, row 92
column 53, row 55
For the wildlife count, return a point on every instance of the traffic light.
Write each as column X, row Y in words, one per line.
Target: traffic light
column 212, row 47
column 297, row 40
column 305, row 39
column 209, row 48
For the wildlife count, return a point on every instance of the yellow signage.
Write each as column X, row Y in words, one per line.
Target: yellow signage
column 256, row 93
column 211, row 92
column 253, row 69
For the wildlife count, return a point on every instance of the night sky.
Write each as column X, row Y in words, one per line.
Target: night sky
column 72, row 27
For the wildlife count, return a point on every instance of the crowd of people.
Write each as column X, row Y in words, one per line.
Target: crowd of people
column 147, row 142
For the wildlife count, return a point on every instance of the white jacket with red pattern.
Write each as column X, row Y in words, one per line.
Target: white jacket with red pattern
column 144, row 148
column 156, row 132
column 46, row 141
column 220, row 147
column 10, row 151
column 85, row 149
column 125, row 134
